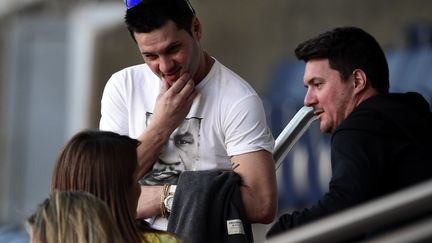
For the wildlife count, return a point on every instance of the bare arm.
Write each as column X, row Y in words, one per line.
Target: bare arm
column 172, row 106
column 258, row 190
column 149, row 202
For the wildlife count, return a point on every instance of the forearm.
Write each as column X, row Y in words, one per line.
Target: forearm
column 258, row 189
column 149, row 201
column 152, row 141
column 258, row 208
column 332, row 202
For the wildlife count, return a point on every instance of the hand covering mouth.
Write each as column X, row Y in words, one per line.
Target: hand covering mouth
column 172, row 77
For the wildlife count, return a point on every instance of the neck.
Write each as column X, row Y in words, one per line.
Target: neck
column 369, row 92
column 204, row 68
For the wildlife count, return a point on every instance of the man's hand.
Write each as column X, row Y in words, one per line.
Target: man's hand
column 149, row 202
column 174, row 102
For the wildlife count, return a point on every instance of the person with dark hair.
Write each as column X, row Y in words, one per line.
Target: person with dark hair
column 105, row 164
column 380, row 141
column 190, row 112
column 72, row 217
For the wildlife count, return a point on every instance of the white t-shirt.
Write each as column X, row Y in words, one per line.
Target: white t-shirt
column 226, row 118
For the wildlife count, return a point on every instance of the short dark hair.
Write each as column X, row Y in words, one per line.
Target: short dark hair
column 149, row 15
column 349, row 48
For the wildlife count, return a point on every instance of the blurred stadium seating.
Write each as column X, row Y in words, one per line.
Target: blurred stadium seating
column 13, row 234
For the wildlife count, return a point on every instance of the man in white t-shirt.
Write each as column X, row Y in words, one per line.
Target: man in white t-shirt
column 189, row 112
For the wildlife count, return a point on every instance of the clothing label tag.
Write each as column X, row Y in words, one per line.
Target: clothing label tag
column 235, row 227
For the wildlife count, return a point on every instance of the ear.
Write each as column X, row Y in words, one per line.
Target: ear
column 196, row 28
column 360, row 80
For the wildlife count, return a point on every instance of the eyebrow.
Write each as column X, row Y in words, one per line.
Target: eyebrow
column 308, row 82
column 167, row 48
column 313, row 79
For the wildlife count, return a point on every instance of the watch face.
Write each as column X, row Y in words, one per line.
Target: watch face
column 169, row 202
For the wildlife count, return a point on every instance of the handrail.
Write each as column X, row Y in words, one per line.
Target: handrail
column 360, row 219
column 414, row 232
column 291, row 133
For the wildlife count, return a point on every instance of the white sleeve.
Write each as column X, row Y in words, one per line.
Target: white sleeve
column 114, row 111
column 246, row 127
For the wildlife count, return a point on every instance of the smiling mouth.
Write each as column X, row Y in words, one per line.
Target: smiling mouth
column 173, row 76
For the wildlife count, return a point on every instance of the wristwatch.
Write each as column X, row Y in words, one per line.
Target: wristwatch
column 169, row 199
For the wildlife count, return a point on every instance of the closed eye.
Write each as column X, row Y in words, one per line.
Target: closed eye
column 173, row 48
column 149, row 57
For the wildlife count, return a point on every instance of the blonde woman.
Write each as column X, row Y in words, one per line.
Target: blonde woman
column 72, row 217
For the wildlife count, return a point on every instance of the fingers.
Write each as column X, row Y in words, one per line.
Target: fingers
column 173, row 103
column 188, row 89
column 191, row 97
column 165, row 86
column 178, row 85
column 183, row 89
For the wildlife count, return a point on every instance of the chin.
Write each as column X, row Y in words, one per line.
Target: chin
column 325, row 129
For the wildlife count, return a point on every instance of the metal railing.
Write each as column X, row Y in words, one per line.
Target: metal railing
column 291, row 133
column 363, row 218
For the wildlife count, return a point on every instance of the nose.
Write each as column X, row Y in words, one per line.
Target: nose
column 169, row 153
column 310, row 98
column 166, row 64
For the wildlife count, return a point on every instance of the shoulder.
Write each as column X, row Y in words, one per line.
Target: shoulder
column 133, row 71
column 133, row 77
column 160, row 237
column 368, row 116
column 229, row 78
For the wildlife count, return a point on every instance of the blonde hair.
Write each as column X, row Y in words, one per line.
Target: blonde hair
column 73, row 217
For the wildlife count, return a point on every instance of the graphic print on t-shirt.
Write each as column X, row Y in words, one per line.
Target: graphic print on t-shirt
column 180, row 153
